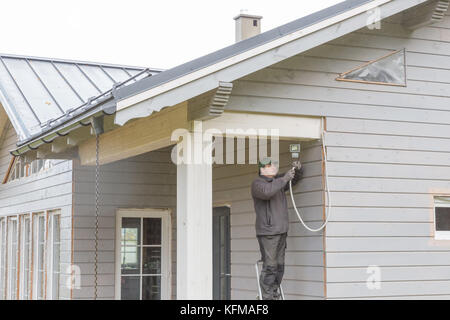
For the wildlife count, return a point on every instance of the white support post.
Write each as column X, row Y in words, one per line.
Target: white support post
column 194, row 222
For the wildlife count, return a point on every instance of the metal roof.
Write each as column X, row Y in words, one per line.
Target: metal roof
column 237, row 48
column 37, row 92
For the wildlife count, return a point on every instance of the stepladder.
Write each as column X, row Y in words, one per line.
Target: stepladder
column 258, row 268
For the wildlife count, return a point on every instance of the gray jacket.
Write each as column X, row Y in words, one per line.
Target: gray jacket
column 269, row 198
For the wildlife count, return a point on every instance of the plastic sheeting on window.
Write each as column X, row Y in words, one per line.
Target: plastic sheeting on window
column 20, row 169
column 389, row 69
column 442, row 200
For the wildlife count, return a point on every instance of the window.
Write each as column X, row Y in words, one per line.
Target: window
column 30, row 246
column 388, row 70
column 20, row 169
column 12, row 258
column 442, row 218
column 40, row 228
column 25, row 256
column 3, row 247
column 143, row 255
column 54, row 251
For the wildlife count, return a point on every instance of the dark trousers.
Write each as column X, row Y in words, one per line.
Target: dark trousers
column 272, row 254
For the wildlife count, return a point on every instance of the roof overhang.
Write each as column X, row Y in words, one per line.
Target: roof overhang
column 144, row 102
column 98, row 106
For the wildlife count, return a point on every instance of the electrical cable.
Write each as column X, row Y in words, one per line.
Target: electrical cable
column 328, row 206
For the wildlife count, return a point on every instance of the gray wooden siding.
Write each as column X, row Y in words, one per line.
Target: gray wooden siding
column 388, row 153
column 8, row 139
column 149, row 180
column 48, row 190
column 145, row 181
column 304, row 258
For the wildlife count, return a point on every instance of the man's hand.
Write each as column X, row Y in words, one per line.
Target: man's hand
column 289, row 175
column 297, row 164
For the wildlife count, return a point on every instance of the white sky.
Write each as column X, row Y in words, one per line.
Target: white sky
column 150, row 33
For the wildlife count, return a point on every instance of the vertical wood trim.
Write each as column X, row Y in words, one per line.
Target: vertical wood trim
column 72, row 233
column 8, row 172
column 169, row 252
column 117, row 255
column 6, row 257
column 18, row 253
column 45, row 255
column 324, row 215
column 32, row 255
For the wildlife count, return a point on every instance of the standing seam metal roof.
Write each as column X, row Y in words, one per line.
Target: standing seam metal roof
column 37, row 91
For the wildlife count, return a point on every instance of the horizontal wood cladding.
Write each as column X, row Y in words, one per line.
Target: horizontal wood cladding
column 144, row 181
column 388, row 152
column 304, row 273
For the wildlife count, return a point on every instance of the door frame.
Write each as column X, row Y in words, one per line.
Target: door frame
column 228, row 240
column 166, row 248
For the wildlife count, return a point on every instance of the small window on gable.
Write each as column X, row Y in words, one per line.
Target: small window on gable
column 388, row 70
column 19, row 169
column 442, row 218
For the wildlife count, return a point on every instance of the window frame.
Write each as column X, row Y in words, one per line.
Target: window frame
column 166, row 247
column 50, row 251
column 18, row 170
column 9, row 279
column 341, row 76
column 36, row 252
column 437, row 203
column 6, row 254
column 3, row 255
column 22, row 219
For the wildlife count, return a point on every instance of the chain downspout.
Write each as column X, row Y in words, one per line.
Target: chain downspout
column 97, row 198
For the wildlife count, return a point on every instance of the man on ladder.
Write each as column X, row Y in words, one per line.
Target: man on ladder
column 272, row 222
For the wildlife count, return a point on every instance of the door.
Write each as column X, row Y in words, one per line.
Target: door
column 143, row 254
column 221, row 254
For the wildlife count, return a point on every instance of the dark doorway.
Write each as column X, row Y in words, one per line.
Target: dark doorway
column 221, row 254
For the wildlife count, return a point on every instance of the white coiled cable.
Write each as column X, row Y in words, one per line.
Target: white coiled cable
column 328, row 206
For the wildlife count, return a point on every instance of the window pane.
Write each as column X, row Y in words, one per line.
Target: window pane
column 40, row 258
column 442, row 218
column 40, row 164
column 129, row 288
column 2, row 257
column 152, row 231
column 389, row 70
column 151, row 263
column 131, row 235
column 12, row 257
column 151, row 288
column 26, row 258
column 56, row 256
column 130, row 260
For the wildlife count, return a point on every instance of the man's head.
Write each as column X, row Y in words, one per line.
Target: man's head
column 267, row 167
